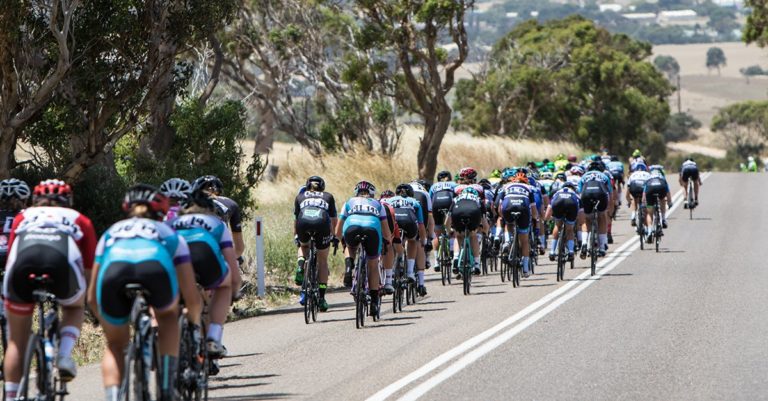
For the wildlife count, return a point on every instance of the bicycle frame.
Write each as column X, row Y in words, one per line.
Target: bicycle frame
column 140, row 349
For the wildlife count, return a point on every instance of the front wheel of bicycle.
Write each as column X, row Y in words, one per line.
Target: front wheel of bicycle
column 36, row 381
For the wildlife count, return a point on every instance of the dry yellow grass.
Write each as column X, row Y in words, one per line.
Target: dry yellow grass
column 342, row 171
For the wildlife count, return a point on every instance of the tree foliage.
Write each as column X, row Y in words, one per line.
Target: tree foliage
column 744, row 127
column 680, row 127
column 568, row 80
column 668, row 65
column 715, row 58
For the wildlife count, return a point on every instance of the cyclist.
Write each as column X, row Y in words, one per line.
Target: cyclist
column 229, row 211
column 690, row 171
column 561, row 163
column 616, row 169
column 564, row 207
column 421, row 194
column 575, row 174
column 410, row 220
column 395, row 246
column 635, row 188
column 213, row 258
column 546, row 179
column 14, row 195
column 542, row 202
column 518, row 197
column 495, row 176
column 594, row 187
column 143, row 250
column 362, row 215
column 48, row 238
column 442, row 194
column 751, row 164
column 314, row 211
column 466, row 214
column 176, row 190
column 656, row 185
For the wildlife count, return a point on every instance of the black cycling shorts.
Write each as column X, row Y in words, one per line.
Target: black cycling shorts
column 523, row 220
column 407, row 222
column 208, row 270
column 652, row 193
column 591, row 198
column 565, row 208
column 636, row 189
column 150, row 274
column 314, row 223
column 466, row 215
column 440, row 209
column 690, row 172
column 618, row 177
column 54, row 254
column 372, row 244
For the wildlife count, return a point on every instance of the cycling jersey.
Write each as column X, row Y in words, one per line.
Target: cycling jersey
column 442, row 194
column 636, row 182
column 313, row 212
column 173, row 211
column 363, row 217
column 565, row 205
column 231, row 211
column 689, row 170
column 594, row 187
column 6, row 219
column 206, row 237
column 408, row 214
column 138, row 251
column 546, row 187
column 517, row 198
column 467, row 212
column 424, row 199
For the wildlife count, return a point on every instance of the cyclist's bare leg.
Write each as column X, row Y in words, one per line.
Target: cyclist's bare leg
column 374, row 281
column 19, row 327
column 475, row 244
column 113, row 360
column 696, row 185
column 412, row 246
column 168, row 330
column 388, row 263
column 525, row 249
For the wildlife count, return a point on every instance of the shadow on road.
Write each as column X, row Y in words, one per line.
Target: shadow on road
column 488, row 285
column 244, row 355
column 423, row 310
column 489, row 293
column 536, row 285
column 265, row 396
column 436, row 302
column 376, row 325
column 223, row 382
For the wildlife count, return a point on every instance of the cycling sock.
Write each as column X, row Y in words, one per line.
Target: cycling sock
column 215, row 332
column 554, row 246
column 321, row 287
column 584, row 238
column 633, row 216
column 167, row 377
column 506, row 236
column 10, row 391
column 526, row 259
column 374, row 296
column 421, row 277
column 300, row 262
column 411, row 264
column 111, row 393
column 569, row 244
column 603, row 240
column 542, row 240
column 387, row 276
column 69, row 336
column 578, row 235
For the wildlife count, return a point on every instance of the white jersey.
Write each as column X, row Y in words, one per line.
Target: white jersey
column 639, row 177
column 574, row 179
column 688, row 164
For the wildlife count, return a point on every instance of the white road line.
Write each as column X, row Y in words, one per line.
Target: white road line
column 607, row 264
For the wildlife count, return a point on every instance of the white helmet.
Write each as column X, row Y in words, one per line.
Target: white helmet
column 178, row 188
column 750, row 158
column 14, row 188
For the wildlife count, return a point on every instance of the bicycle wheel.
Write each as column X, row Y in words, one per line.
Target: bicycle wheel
column 503, row 268
column 360, row 294
column 560, row 255
column 36, row 383
column 412, row 288
column 443, row 256
column 657, row 234
column 515, row 259
column 305, row 288
column 690, row 198
column 466, row 270
column 594, row 244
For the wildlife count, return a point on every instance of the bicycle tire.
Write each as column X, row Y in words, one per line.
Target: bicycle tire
column 307, row 295
column 35, row 352
column 594, row 243
column 657, row 236
column 561, row 254
column 515, row 260
column 690, row 198
column 503, row 269
column 443, row 254
column 360, row 294
column 466, row 270
column 412, row 287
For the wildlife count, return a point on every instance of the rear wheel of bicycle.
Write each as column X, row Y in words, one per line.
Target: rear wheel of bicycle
column 35, row 381
column 412, row 287
column 360, row 294
column 515, row 271
column 503, row 269
column 307, row 299
column 466, row 271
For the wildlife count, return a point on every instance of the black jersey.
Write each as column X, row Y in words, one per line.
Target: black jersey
column 6, row 220
column 319, row 200
column 231, row 213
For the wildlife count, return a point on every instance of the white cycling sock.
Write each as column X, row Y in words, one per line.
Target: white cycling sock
column 578, row 235
column 421, row 277
column 10, row 391
column 69, row 335
column 542, row 240
column 569, row 244
column 411, row 264
column 111, row 393
column 387, row 276
column 603, row 239
column 215, row 332
column 584, row 238
column 634, row 214
column 554, row 246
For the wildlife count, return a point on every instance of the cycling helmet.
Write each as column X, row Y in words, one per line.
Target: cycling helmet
column 417, row 186
column 614, row 158
column 14, row 188
column 523, row 170
column 209, row 181
column 508, row 173
column 144, row 194
column 750, row 159
column 690, row 159
column 178, row 188
column 546, row 175
column 387, row 193
column 365, row 186
column 470, row 190
column 424, row 183
column 54, row 189
column 596, row 166
column 640, row 167
column 561, row 177
column 595, row 158
column 318, row 180
column 468, row 173
column 485, row 183
column 404, row 190
column 560, row 156
column 657, row 173
column 496, row 173
column 637, row 153
column 570, row 184
column 572, row 158
column 444, row 175
column 577, row 170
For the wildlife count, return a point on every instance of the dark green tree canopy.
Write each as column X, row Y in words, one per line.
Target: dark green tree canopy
column 668, row 65
column 715, row 58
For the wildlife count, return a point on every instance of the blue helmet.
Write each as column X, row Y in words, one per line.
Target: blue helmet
column 508, row 173
column 470, row 190
column 639, row 167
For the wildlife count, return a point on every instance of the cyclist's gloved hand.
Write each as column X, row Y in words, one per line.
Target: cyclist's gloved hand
column 334, row 241
column 240, row 260
column 428, row 247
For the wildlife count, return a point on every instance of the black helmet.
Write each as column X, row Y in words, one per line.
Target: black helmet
column 209, row 181
column 387, row 193
column 145, row 194
column 485, row 183
column 405, row 190
column 596, row 166
column 444, row 174
column 200, row 197
column 614, row 158
column 317, row 179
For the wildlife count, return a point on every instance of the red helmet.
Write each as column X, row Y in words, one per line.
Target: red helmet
column 143, row 194
column 572, row 158
column 468, row 173
column 57, row 190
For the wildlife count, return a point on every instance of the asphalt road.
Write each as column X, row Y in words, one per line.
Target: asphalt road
column 687, row 323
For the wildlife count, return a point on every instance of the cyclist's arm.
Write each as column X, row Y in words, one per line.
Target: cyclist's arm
column 332, row 213
column 230, row 256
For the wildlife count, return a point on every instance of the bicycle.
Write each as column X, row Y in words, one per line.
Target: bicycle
column 690, row 202
column 562, row 256
column 657, row 228
column 3, row 328
column 466, row 259
column 140, row 353
column 593, row 239
column 444, row 257
column 37, row 377
column 360, row 286
column 194, row 363
column 310, row 286
column 513, row 258
column 400, row 285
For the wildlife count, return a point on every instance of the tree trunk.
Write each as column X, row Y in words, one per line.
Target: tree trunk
column 265, row 136
column 435, row 127
column 7, row 147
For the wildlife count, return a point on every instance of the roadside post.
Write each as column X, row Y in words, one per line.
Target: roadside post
column 261, row 289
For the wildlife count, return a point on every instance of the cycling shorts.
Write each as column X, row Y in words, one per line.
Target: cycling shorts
column 155, row 276
column 690, row 173
column 652, row 193
column 314, row 223
column 54, row 254
column 591, row 198
column 406, row 220
column 364, row 225
column 565, row 209
column 618, row 177
column 466, row 214
column 636, row 189
column 440, row 209
column 210, row 267
column 523, row 220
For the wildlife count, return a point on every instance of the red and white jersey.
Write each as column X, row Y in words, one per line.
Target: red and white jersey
column 49, row 219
